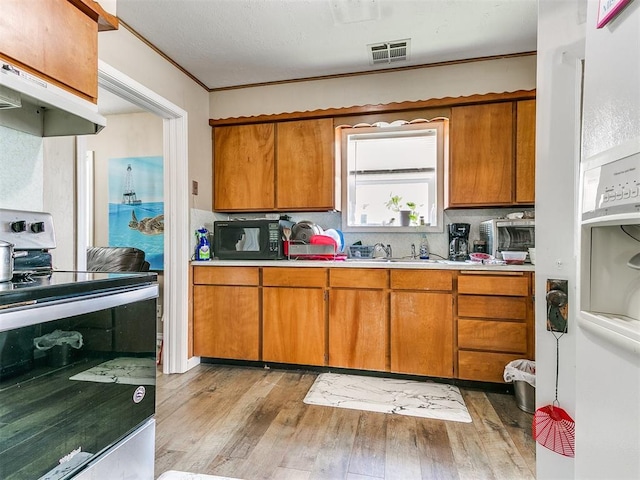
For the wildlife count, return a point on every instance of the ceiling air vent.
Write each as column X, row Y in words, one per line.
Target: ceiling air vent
column 389, row 52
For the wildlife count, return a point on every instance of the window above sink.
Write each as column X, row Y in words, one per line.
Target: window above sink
column 393, row 176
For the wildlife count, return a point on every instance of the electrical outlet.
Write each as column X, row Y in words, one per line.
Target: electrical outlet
column 194, row 187
column 159, row 311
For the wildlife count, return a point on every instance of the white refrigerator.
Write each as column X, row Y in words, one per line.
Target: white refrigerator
column 607, row 369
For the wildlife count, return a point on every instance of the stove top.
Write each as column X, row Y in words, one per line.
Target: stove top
column 40, row 287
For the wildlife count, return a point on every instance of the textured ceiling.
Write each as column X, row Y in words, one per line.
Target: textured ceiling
column 230, row 43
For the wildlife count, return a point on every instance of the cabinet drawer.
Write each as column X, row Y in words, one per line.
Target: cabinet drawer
column 294, row 277
column 483, row 366
column 494, row 285
column 226, row 276
column 495, row 336
column 421, row 280
column 483, row 306
column 358, row 278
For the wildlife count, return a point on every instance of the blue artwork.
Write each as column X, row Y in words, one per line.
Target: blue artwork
column 136, row 206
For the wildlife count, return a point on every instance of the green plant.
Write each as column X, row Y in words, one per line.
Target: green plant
column 393, row 203
column 413, row 213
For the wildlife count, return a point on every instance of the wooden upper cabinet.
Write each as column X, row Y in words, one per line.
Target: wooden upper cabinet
column 305, row 167
column 526, row 152
column 244, row 167
column 481, row 164
column 58, row 42
column 275, row 166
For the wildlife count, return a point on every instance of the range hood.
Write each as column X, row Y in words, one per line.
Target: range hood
column 31, row 105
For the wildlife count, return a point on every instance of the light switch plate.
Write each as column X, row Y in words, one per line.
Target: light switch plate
column 194, row 187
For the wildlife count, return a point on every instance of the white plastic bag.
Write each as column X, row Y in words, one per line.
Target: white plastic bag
column 521, row 370
column 58, row 337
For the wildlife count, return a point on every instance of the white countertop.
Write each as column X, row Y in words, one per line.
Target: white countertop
column 372, row 263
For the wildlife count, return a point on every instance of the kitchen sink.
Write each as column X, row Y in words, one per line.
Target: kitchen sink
column 393, row 260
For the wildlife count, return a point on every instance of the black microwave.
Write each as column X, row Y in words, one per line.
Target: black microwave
column 258, row 239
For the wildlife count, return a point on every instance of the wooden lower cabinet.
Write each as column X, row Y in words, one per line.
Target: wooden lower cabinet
column 494, row 323
column 422, row 333
column 226, row 322
column 358, row 319
column 483, row 366
column 437, row 323
column 226, row 312
column 293, row 322
column 421, row 329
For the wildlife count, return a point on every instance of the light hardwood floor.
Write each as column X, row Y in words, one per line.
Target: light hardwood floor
column 251, row 423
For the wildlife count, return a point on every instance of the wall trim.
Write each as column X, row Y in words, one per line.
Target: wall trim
column 381, row 108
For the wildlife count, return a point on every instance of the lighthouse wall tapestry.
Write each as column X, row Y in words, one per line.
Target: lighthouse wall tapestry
column 136, row 206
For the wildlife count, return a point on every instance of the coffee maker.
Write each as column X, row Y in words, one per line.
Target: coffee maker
column 459, row 241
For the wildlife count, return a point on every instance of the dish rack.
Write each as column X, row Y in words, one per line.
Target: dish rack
column 361, row 251
column 296, row 249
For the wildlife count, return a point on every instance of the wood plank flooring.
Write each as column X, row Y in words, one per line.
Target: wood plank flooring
column 251, row 423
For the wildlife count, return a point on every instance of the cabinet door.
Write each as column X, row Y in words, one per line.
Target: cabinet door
column 293, row 325
column 526, row 152
column 306, row 172
column 481, row 157
column 226, row 322
column 422, row 333
column 358, row 329
column 243, row 167
column 57, row 41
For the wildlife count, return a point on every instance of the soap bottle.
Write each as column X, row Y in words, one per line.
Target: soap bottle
column 424, row 248
column 203, row 249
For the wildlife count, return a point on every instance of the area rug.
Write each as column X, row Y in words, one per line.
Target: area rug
column 175, row 475
column 130, row 371
column 389, row 395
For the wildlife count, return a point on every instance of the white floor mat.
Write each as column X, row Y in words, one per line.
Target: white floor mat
column 389, row 395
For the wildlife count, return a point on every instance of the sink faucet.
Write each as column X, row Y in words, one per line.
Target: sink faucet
column 386, row 249
column 413, row 251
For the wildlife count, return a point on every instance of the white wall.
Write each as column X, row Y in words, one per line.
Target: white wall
column 59, row 198
column 21, row 170
column 129, row 135
column 498, row 75
column 39, row 174
column 560, row 48
column 123, row 51
column 492, row 76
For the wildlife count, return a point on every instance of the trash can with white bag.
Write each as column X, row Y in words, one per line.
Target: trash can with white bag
column 522, row 373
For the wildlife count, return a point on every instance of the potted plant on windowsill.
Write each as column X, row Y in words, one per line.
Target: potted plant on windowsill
column 413, row 213
column 408, row 216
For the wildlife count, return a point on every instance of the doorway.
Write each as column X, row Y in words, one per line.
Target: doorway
column 176, row 230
